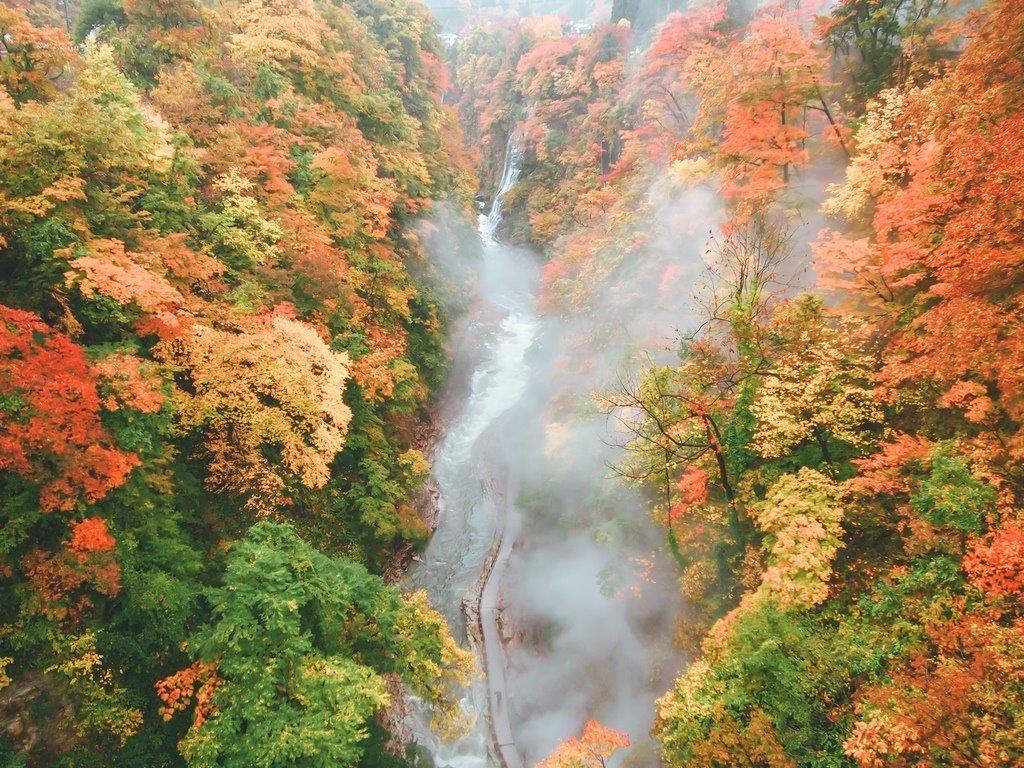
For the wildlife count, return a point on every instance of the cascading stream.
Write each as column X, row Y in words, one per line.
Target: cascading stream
column 472, row 508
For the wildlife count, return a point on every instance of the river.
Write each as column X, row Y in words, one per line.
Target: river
column 474, row 514
column 556, row 562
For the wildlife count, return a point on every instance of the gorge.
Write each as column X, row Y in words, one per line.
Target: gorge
column 573, row 385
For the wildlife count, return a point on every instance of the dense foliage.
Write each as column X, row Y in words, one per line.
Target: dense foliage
column 838, row 472
column 218, row 336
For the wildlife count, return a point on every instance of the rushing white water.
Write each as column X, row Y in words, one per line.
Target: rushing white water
column 504, row 326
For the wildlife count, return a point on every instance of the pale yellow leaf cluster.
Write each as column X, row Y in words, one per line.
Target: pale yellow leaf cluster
column 241, row 228
column 269, row 397
column 691, row 171
column 818, row 391
column 868, row 173
column 5, row 679
column 283, row 31
column 437, row 674
column 692, row 698
column 802, row 521
column 101, row 701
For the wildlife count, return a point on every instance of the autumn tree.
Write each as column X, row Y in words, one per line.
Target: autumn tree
column 50, row 427
column 955, row 703
column 269, row 387
column 946, row 266
column 591, row 749
column 32, row 58
column 104, row 707
column 802, row 521
column 239, row 233
column 208, row 275
column 87, row 559
column 772, row 78
column 686, row 44
column 839, row 487
column 69, row 170
column 995, row 564
column 761, row 695
column 891, row 38
column 818, row 391
column 699, row 412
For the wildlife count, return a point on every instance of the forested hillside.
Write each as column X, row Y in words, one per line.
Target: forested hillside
column 783, row 240
column 834, row 453
column 219, row 338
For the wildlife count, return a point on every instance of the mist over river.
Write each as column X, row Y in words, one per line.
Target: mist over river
column 577, row 608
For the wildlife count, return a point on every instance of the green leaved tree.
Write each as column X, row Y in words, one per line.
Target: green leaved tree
column 295, row 661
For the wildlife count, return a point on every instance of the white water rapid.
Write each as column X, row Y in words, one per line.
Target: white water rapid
column 473, row 503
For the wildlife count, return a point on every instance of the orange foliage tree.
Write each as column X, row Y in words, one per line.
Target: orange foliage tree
column 942, row 180
column 50, row 430
column 31, row 58
column 955, row 703
column 87, row 559
column 590, row 750
column 996, row 564
column 269, row 385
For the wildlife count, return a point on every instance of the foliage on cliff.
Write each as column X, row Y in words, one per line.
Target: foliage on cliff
column 839, row 482
column 215, row 313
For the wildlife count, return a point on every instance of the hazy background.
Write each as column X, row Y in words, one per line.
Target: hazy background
column 643, row 14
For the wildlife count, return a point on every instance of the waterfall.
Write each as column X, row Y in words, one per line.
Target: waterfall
column 509, row 176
